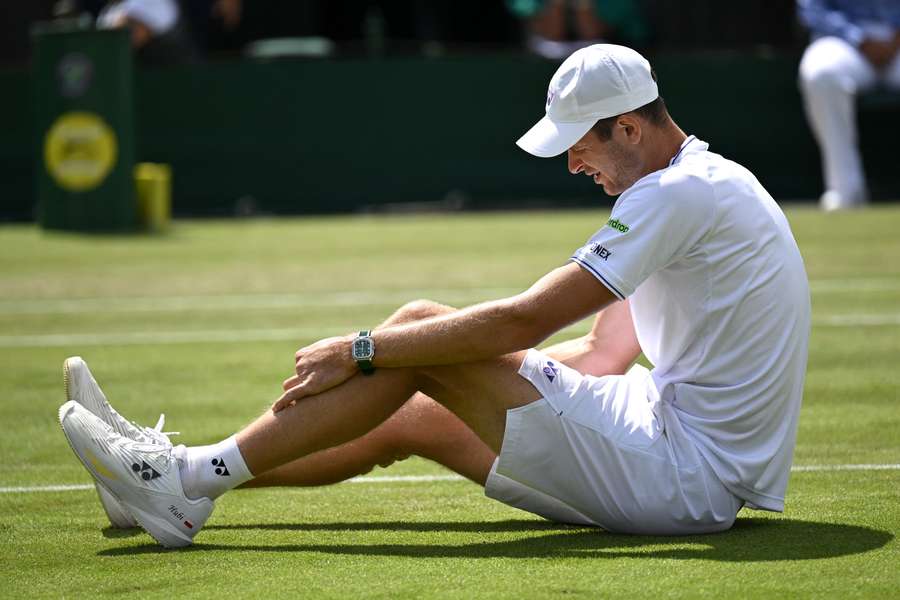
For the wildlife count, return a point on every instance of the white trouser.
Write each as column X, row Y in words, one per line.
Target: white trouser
column 832, row 72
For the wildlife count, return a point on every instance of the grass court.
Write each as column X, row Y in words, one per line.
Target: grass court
column 202, row 323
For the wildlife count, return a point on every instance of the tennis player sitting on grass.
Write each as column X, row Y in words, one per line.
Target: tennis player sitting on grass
column 697, row 268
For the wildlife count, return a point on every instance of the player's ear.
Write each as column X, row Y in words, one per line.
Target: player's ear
column 630, row 128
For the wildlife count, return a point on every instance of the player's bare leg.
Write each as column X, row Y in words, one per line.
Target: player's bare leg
column 421, row 427
column 366, row 403
column 479, row 394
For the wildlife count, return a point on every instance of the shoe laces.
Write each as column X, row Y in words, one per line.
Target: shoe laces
column 147, row 447
column 156, row 434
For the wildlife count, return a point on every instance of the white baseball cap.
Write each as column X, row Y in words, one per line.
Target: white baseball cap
column 597, row 82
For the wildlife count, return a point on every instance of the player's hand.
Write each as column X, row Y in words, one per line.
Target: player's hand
column 318, row 368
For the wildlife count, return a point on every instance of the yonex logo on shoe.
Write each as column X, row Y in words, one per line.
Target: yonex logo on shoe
column 221, row 469
column 147, row 472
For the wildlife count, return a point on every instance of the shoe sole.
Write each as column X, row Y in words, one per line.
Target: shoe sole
column 177, row 539
column 66, row 378
column 127, row 521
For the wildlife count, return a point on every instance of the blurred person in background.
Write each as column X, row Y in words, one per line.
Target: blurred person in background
column 159, row 33
column 389, row 26
column 854, row 48
column 212, row 21
column 556, row 28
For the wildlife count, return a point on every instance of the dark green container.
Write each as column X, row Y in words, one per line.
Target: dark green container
column 84, row 129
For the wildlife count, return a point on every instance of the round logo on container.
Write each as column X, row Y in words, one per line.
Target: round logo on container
column 75, row 71
column 80, row 150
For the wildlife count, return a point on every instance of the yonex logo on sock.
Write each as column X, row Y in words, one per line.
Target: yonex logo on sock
column 147, row 472
column 221, row 469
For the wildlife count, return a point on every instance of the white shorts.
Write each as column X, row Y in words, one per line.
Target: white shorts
column 593, row 452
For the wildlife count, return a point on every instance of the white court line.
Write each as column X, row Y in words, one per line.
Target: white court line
column 219, row 336
column 809, row 468
column 405, row 478
column 37, row 306
column 826, row 286
column 45, row 488
column 247, row 301
column 151, row 338
column 858, row 320
column 433, row 478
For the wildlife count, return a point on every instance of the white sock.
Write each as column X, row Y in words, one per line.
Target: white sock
column 210, row 471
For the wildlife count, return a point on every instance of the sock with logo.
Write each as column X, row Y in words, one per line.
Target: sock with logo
column 210, row 471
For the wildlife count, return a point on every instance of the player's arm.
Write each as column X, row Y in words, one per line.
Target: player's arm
column 608, row 349
column 563, row 296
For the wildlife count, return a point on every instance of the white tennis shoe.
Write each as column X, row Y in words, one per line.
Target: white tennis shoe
column 81, row 387
column 143, row 476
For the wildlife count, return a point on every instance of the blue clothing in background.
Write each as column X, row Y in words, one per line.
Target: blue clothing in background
column 847, row 19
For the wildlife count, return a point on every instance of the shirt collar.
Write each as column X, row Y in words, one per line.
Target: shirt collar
column 698, row 145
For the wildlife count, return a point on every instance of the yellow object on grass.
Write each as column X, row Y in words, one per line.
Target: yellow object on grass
column 154, row 194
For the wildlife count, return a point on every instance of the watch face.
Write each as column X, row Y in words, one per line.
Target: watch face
column 363, row 348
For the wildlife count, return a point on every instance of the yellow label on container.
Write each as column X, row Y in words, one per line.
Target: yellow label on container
column 80, row 150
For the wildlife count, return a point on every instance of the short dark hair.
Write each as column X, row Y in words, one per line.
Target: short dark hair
column 654, row 111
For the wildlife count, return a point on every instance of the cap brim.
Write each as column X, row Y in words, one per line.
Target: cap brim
column 548, row 138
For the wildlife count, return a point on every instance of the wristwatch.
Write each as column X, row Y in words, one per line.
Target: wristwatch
column 363, row 351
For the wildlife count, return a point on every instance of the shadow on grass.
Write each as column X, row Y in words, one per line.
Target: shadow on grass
column 114, row 533
column 750, row 540
column 423, row 526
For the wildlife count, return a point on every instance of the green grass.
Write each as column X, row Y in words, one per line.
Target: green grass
column 280, row 284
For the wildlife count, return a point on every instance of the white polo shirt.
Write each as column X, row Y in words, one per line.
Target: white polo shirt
column 720, row 302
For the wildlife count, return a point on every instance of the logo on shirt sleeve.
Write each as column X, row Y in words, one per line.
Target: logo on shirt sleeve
column 617, row 224
column 600, row 251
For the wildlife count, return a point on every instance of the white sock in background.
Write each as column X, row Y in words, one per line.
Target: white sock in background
column 210, row 471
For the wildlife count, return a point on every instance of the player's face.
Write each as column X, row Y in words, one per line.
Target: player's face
column 612, row 164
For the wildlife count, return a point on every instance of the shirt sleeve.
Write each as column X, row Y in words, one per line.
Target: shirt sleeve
column 823, row 18
column 651, row 226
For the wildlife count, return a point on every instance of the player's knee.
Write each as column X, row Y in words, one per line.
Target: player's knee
column 393, row 450
column 409, row 430
column 820, row 73
column 820, row 79
column 421, row 309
